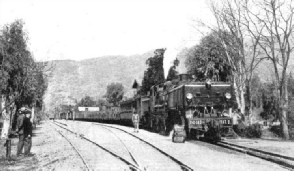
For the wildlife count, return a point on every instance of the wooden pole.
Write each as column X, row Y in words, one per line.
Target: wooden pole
column 8, row 148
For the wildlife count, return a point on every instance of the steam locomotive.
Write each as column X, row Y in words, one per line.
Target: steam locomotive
column 201, row 109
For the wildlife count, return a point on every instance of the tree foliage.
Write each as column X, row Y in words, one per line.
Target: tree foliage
column 114, row 93
column 269, row 101
column 272, row 25
column 260, row 30
column 208, row 59
column 102, row 102
column 87, row 101
column 22, row 79
column 154, row 73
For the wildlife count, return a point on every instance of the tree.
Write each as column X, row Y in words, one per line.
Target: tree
column 154, row 73
column 271, row 22
column 16, row 62
column 208, row 59
column 240, row 47
column 291, row 99
column 228, row 21
column 21, row 78
column 269, row 101
column 101, row 102
column 268, row 25
column 230, row 33
column 114, row 93
column 33, row 91
column 256, row 92
column 87, row 102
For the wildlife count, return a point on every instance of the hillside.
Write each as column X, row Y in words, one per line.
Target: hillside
column 69, row 80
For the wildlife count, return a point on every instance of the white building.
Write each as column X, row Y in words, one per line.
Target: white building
column 92, row 109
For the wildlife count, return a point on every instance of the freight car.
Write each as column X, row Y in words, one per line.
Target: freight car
column 107, row 114
column 126, row 111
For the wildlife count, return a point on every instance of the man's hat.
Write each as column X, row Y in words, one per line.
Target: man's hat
column 24, row 110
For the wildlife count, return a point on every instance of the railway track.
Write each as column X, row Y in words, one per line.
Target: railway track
column 183, row 166
column 284, row 161
column 140, row 165
column 75, row 149
column 131, row 166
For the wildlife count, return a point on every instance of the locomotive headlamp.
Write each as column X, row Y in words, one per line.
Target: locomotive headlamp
column 189, row 96
column 228, row 95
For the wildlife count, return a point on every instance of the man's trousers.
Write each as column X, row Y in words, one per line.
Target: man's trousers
column 27, row 145
column 20, row 144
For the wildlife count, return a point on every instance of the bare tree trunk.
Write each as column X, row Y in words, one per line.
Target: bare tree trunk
column 240, row 96
column 242, row 100
column 237, row 93
column 284, row 124
column 6, row 118
column 6, row 115
column 249, row 90
column 284, row 107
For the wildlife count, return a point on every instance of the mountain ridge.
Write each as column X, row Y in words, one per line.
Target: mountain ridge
column 72, row 80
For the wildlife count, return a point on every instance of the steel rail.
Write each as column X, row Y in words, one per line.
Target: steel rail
column 271, row 157
column 132, row 166
column 183, row 166
column 260, row 151
column 132, row 156
column 77, row 151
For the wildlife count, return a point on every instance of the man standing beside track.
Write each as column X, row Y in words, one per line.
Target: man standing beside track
column 20, row 130
column 28, row 133
column 135, row 119
column 236, row 117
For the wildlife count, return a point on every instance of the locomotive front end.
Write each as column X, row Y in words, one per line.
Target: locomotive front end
column 208, row 107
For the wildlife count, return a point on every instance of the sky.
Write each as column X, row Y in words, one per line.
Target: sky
column 82, row 29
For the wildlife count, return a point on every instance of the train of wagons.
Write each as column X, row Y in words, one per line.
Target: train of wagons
column 202, row 109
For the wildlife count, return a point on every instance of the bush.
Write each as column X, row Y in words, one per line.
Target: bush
column 276, row 129
column 253, row 131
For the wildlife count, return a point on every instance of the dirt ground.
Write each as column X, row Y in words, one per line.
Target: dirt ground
column 197, row 155
column 51, row 152
column 16, row 163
